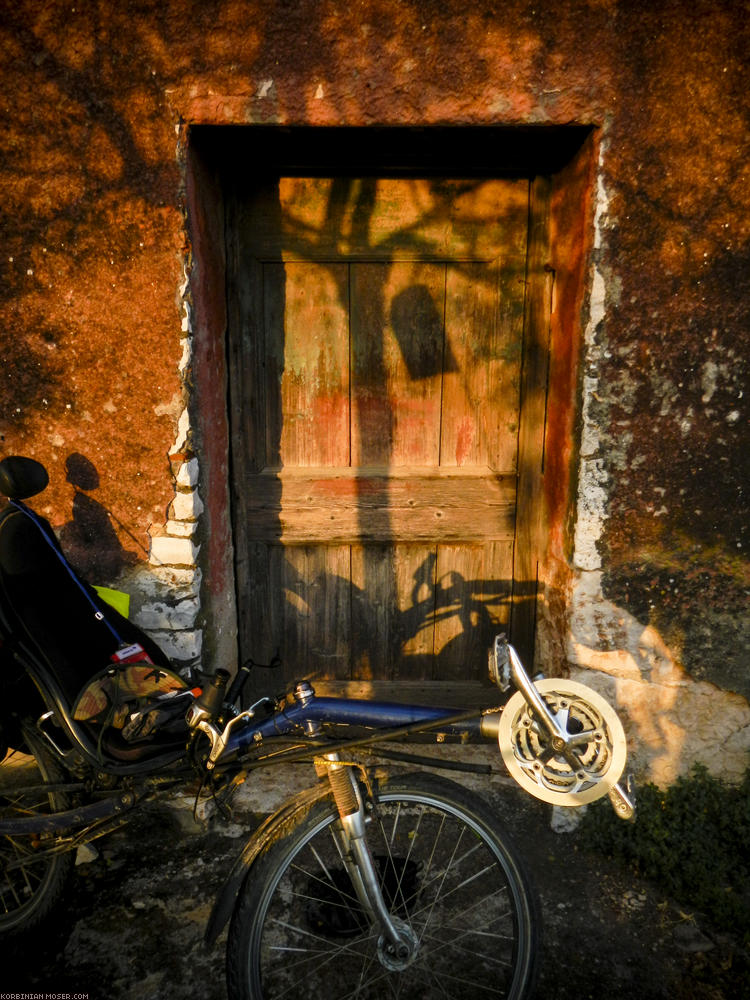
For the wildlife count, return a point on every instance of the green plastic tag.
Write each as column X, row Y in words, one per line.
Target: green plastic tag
column 117, row 599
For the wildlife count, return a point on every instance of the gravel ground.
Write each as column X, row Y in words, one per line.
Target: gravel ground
column 132, row 925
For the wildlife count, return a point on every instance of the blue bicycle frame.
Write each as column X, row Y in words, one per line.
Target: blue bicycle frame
column 307, row 714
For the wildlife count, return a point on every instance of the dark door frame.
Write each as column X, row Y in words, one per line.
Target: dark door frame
column 560, row 162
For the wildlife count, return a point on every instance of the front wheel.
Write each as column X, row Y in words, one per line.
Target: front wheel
column 450, row 876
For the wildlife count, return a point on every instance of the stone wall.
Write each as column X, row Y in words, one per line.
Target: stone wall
column 110, row 366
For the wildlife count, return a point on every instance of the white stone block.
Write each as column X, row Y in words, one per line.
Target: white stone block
column 163, row 583
column 592, row 513
column 186, row 506
column 590, row 432
column 169, row 551
column 182, row 529
column 170, row 581
column 85, row 854
column 565, row 819
column 187, row 354
column 187, row 474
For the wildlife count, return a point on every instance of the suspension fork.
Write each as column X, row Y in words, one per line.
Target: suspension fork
column 358, row 859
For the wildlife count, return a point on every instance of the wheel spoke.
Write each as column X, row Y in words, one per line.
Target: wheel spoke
column 328, row 883
column 456, row 888
column 326, row 950
column 454, row 944
column 442, row 882
column 457, row 921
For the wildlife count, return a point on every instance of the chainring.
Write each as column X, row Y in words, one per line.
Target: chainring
column 594, row 759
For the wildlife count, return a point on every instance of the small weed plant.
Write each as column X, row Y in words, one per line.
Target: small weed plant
column 691, row 839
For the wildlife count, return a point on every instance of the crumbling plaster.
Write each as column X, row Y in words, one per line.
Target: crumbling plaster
column 672, row 719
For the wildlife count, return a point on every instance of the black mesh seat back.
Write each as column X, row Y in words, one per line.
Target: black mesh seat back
column 42, row 607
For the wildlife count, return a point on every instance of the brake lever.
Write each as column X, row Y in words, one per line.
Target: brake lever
column 243, row 673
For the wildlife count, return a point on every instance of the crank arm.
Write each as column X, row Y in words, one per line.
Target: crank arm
column 623, row 799
column 534, row 700
column 505, row 667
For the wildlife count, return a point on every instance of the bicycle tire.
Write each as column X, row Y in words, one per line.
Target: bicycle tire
column 31, row 883
column 448, row 870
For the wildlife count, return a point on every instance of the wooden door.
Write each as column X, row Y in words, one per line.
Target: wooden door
column 376, row 340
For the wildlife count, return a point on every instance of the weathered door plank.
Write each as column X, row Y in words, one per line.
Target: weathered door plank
column 533, row 409
column 309, row 422
column 397, row 343
column 344, row 505
column 392, row 610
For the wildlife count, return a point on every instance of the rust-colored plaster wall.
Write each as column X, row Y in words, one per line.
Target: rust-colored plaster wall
column 91, row 261
column 677, row 336
column 97, row 104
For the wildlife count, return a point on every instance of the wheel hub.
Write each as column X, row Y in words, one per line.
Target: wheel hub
column 398, row 957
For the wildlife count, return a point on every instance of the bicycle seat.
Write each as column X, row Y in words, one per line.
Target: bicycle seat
column 21, row 478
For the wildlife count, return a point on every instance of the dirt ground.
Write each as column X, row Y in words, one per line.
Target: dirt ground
column 133, row 921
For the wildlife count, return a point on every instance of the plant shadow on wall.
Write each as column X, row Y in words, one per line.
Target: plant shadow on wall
column 674, row 720
column 30, row 382
column 88, row 184
column 664, row 592
column 385, row 339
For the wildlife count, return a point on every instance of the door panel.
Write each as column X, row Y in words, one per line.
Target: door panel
column 472, row 599
column 484, row 313
column 391, row 615
column 376, row 339
column 397, row 342
column 316, row 609
column 308, row 375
